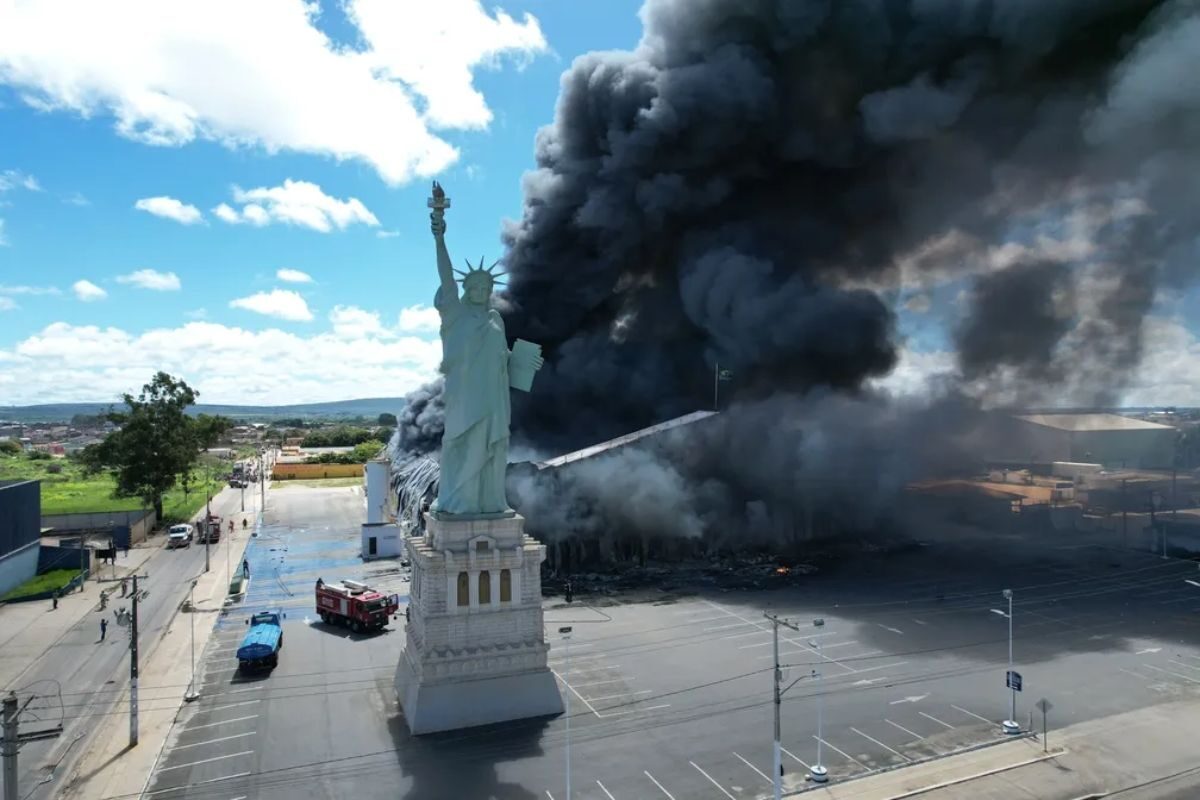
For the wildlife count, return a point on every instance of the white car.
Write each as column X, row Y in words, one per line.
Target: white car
column 179, row 536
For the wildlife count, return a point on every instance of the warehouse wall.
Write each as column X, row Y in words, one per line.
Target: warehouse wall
column 1134, row 449
column 20, row 532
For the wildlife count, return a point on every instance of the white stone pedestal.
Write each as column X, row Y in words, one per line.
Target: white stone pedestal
column 475, row 651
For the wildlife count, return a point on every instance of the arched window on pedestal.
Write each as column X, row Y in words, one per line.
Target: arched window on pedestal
column 485, row 587
column 464, row 589
column 505, row 586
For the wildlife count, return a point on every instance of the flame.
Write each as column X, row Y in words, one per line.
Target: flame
column 782, row 570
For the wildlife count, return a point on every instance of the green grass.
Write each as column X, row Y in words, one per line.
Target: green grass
column 54, row 579
column 323, row 483
column 72, row 492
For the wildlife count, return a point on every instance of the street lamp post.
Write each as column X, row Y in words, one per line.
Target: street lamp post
column 192, row 694
column 565, row 631
column 818, row 772
column 1011, row 725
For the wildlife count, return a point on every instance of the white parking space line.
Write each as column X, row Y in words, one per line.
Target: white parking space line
column 881, row 744
column 1189, row 655
column 1187, row 599
column 243, row 691
column 206, row 760
column 659, row 785
column 743, row 635
column 741, row 625
column 708, row 619
column 906, row 730
column 590, row 668
column 756, row 769
column 215, row 724
column 970, row 713
column 768, row 642
column 795, row 757
column 1135, row 674
column 596, row 683
column 575, row 692
column 713, row 782
column 836, row 749
column 880, row 666
column 604, row 789
column 890, row 629
column 619, row 696
column 1169, row 672
column 231, row 705
column 608, row 715
column 549, row 795
column 575, row 646
column 583, row 658
column 213, row 741
column 919, row 621
column 935, row 719
column 1182, row 664
column 194, row 784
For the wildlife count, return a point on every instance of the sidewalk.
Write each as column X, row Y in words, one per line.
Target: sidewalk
column 1091, row 757
column 28, row 630
column 110, row 768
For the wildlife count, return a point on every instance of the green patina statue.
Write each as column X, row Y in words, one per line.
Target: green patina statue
column 479, row 370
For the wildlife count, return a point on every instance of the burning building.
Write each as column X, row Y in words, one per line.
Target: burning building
column 775, row 186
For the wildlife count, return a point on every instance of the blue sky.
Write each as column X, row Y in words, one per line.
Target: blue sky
column 235, row 193
column 73, row 180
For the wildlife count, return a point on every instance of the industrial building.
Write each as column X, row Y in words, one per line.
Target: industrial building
column 20, row 532
column 1112, row 440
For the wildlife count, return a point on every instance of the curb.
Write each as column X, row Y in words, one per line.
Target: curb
column 978, row 775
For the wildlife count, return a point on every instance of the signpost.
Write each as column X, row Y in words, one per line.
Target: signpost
column 1044, row 705
column 1012, row 680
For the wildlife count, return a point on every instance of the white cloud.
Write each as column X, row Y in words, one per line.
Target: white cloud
column 7, row 304
column 87, row 291
column 15, row 179
column 3, row 241
column 226, row 364
column 387, row 234
column 295, row 203
column 352, row 322
column 293, row 276
column 296, row 90
column 152, row 279
column 279, row 303
column 170, row 208
column 77, row 199
column 30, row 290
column 419, row 318
column 196, row 313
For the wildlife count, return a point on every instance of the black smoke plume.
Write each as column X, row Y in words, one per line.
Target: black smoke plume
column 758, row 182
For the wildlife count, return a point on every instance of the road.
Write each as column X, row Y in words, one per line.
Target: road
column 672, row 700
column 80, row 679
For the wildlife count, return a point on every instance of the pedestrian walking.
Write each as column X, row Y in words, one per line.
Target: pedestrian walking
column 124, row 587
column 246, row 567
column 103, row 628
column 243, row 523
column 54, row 598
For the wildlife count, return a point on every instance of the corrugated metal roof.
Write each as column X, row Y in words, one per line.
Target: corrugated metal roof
column 1092, row 422
column 621, row 441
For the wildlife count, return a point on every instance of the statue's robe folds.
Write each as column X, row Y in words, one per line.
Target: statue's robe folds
column 475, row 442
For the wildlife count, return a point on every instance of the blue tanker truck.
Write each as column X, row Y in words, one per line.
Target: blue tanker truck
column 260, row 649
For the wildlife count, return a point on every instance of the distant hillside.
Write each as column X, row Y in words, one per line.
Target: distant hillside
column 369, row 407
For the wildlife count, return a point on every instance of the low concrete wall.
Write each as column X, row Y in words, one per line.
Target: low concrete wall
column 140, row 522
column 18, row 566
column 283, row 472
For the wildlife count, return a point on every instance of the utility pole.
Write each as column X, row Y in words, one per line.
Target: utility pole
column 10, row 749
column 818, row 773
column 1124, row 518
column 207, row 525
column 716, row 385
column 1011, row 725
column 566, row 635
column 192, row 694
column 133, row 668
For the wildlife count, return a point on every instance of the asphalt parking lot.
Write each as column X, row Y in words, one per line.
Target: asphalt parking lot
column 673, row 699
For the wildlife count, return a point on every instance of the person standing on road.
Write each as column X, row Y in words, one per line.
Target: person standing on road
column 103, row 628
column 246, row 567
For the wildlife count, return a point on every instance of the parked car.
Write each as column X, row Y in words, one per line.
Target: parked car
column 179, row 536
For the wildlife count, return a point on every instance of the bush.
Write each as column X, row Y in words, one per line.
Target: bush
column 54, row 469
column 38, row 455
column 10, row 446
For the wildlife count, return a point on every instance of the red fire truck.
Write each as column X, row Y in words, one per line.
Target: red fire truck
column 354, row 604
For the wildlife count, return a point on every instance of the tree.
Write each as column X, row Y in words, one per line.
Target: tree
column 387, row 420
column 366, row 451
column 10, row 446
column 156, row 443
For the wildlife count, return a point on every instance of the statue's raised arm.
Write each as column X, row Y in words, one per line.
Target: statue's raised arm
column 448, row 293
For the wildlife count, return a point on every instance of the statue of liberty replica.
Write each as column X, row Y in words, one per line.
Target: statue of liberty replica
column 475, row 650
column 479, row 369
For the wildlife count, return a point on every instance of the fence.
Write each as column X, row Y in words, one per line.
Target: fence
column 140, row 523
column 283, row 472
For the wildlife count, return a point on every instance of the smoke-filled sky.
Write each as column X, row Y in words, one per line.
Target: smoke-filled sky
column 762, row 183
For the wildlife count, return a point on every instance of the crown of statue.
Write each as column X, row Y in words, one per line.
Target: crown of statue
column 475, row 273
